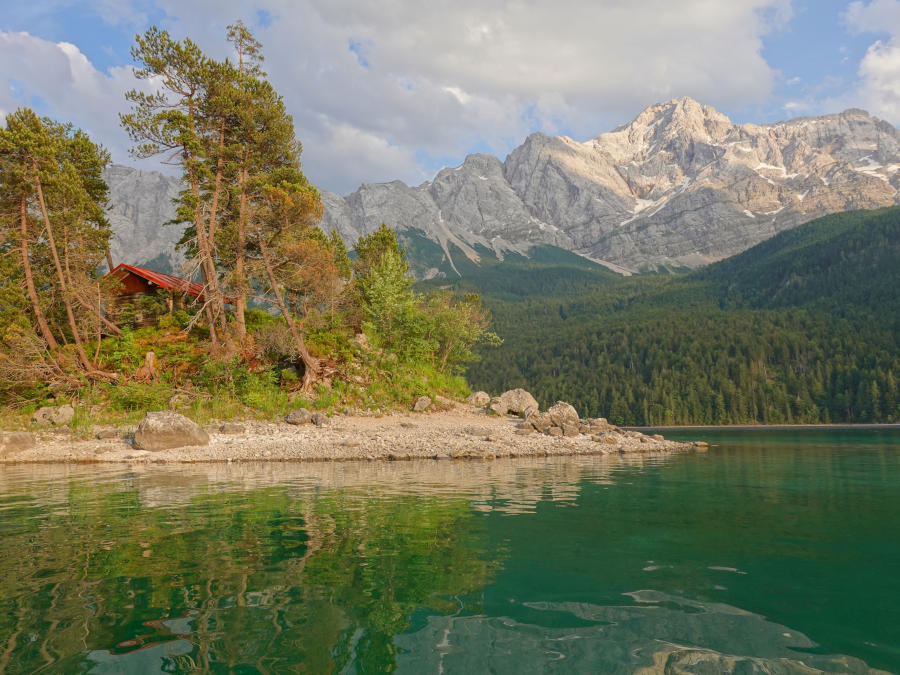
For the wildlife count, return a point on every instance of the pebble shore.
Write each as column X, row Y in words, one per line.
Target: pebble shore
column 463, row 432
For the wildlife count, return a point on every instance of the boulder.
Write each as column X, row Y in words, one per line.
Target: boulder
column 12, row 442
column 302, row 416
column 231, row 428
column 553, row 431
column 570, row 430
column 497, row 406
column 54, row 416
column 539, row 420
column 524, row 432
column 422, row 404
column 519, row 402
column 562, row 413
column 320, row 419
column 165, row 429
column 106, row 434
column 479, row 398
column 443, row 401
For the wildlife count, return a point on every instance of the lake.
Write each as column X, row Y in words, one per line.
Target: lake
column 775, row 551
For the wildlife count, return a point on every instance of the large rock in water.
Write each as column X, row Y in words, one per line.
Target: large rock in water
column 562, row 413
column 519, row 402
column 12, row 442
column 165, row 430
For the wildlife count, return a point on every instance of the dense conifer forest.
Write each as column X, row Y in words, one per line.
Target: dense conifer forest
column 803, row 328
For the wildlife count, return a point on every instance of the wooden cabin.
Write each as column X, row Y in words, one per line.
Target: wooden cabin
column 147, row 294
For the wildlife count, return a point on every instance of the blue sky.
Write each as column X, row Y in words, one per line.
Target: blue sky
column 400, row 89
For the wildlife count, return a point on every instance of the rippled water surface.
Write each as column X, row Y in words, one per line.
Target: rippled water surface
column 773, row 552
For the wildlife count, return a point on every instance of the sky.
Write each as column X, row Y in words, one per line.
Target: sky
column 398, row 89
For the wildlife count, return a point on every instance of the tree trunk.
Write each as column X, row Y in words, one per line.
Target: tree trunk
column 89, row 306
column 201, row 249
column 66, row 296
column 240, row 280
column 109, row 259
column 215, row 290
column 310, row 363
column 41, row 320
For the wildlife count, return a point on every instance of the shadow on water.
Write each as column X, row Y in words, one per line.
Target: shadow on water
column 753, row 557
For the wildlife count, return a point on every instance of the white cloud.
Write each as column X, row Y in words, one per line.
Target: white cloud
column 879, row 70
column 437, row 79
column 58, row 80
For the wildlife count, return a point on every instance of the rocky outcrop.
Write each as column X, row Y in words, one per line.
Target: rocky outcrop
column 166, row 429
column 680, row 185
column 140, row 205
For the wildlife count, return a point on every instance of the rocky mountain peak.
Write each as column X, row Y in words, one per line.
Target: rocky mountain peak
column 680, row 185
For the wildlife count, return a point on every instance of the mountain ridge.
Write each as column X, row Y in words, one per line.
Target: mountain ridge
column 679, row 186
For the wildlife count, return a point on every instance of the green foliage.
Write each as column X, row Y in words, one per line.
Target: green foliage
column 803, row 328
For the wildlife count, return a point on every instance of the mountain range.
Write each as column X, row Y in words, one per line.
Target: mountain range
column 678, row 187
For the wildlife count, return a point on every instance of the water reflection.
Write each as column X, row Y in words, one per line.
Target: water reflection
column 178, row 568
column 515, row 565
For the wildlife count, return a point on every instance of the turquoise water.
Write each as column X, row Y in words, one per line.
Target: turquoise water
column 772, row 552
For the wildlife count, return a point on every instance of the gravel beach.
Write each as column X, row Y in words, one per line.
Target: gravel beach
column 463, row 432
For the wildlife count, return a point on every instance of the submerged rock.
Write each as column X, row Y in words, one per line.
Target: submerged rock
column 165, row 430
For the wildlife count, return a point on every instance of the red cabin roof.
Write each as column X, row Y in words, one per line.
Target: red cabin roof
column 166, row 281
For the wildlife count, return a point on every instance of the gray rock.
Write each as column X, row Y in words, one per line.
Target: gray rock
column 679, row 185
column 297, row 417
column 106, row 434
column 232, row 428
column 422, row 404
column 166, row 429
column 539, row 420
column 657, row 437
column 12, row 442
column 562, row 413
column 478, row 398
column 553, row 431
column 497, row 406
column 444, row 402
column 570, row 430
column 54, row 416
column 519, row 402
column 320, row 419
column 524, row 431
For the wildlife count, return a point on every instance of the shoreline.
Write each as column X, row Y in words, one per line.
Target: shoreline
column 766, row 427
column 462, row 432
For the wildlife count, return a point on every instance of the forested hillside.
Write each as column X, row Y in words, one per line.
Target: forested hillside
column 802, row 328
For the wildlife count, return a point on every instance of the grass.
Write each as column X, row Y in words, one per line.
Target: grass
column 244, row 388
